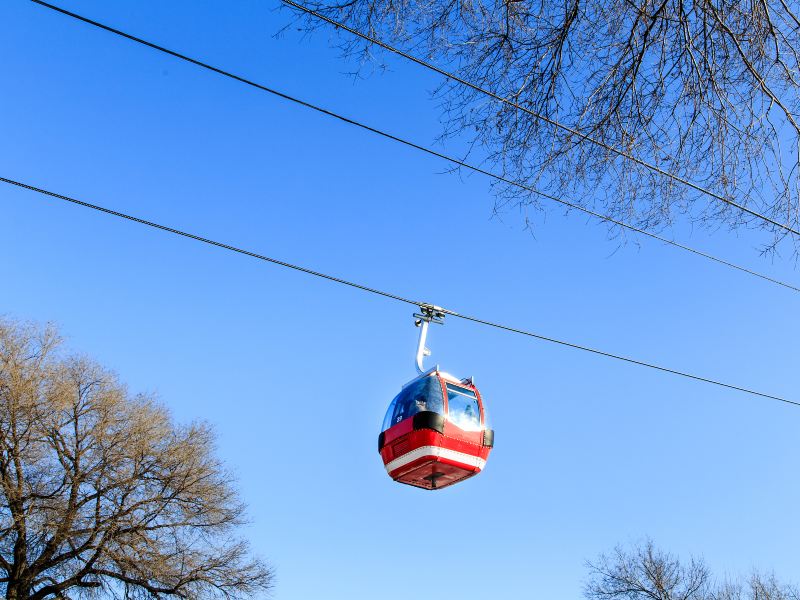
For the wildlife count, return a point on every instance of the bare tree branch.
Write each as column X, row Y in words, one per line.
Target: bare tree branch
column 646, row 573
column 704, row 89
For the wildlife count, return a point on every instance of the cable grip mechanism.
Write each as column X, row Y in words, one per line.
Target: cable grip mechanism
column 428, row 313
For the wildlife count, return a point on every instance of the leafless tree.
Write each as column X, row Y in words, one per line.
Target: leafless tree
column 757, row 587
column 706, row 90
column 646, row 573
column 101, row 493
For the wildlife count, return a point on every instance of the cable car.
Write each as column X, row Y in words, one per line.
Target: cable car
column 435, row 432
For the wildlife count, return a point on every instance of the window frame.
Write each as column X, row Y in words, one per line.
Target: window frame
column 464, row 386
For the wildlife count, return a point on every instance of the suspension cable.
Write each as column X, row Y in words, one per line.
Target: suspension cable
column 392, row 296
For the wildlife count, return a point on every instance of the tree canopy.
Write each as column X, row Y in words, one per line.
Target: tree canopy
column 101, row 490
column 644, row 572
column 704, row 90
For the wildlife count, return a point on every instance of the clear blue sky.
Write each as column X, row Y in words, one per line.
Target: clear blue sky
column 296, row 373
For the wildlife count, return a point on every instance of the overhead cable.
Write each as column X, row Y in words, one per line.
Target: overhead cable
column 430, row 151
column 392, row 296
column 539, row 116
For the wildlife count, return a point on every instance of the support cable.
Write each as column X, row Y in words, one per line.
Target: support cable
column 392, row 296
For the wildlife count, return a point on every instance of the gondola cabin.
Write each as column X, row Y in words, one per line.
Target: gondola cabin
column 435, row 432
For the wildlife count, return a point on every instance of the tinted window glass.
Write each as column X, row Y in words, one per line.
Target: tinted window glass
column 423, row 394
column 463, row 408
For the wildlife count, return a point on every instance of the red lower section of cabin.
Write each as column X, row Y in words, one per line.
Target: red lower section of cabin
column 433, row 473
column 432, row 460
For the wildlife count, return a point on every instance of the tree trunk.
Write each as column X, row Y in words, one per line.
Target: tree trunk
column 18, row 590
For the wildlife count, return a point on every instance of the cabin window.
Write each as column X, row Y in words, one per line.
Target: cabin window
column 421, row 395
column 463, row 409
